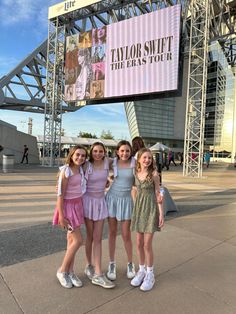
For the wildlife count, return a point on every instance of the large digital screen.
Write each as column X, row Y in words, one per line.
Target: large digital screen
column 132, row 57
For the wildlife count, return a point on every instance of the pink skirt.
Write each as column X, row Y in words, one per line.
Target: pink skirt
column 73, row 212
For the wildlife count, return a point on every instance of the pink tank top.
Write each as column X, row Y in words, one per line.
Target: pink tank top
column 74, row 188
column 96, row 180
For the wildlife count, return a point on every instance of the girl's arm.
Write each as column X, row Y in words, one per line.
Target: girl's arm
column 134, row 193
column 60, row 202
column 156, row 180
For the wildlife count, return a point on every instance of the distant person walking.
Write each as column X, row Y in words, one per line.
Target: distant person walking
column 25, row 155
column 181, row 158
column 207, row 158
column 171, row 158
column 235, row 161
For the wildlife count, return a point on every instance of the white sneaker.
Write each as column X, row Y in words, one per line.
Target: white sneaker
column 111, row 274
column 89, row 271
column 130, row 270
column 101, row 280
column 138, row 279
column 148, row 282
column 64, row 280
column 75, row 280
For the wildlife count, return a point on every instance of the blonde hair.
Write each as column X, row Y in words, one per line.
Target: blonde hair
column 151, row 167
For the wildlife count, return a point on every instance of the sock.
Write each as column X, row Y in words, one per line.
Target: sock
column 142, row 268
column 112, row 262
column 149, row 269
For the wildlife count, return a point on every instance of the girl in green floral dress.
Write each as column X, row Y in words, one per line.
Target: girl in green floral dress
column 147, row 217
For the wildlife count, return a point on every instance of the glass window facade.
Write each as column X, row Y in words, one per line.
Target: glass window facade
column 164, row 119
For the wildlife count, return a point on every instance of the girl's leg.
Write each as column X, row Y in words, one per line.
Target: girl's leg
column 126, row 236
column 148, row 248
column 140, row 275
column 99, row 279
column 140, row 248
column 149, row 279
column 111, row 273
column 89, row 239
column 97, row 245
column 112, row 237
column 74, row 241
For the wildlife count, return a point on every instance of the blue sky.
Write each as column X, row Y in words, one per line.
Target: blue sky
column 23, row 28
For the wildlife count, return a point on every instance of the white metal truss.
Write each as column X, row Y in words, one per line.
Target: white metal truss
column 27, row 79
column 54, row 92
column 196, row 94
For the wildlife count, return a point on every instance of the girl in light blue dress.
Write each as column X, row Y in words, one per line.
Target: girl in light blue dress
column 120, row 205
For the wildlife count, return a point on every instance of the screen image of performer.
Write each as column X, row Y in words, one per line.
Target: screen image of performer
column 85, row 40
column 98, row 71
column 70, row 92
column 82, row 84
column 72, row 53
column 98, row 54
column 70, row 75
column 99, row 36
column 97, row 89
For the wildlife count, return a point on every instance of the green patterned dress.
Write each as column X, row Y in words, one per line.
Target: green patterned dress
column 145, row 213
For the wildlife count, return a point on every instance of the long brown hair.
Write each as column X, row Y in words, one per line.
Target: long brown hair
column 151, row 167
column 68, row 160
column 137, row 144
column 91, row 150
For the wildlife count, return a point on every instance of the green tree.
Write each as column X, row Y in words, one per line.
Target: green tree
column 87, row 135
column 107, row 135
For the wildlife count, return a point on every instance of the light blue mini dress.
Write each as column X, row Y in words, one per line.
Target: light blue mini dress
column 118, row 198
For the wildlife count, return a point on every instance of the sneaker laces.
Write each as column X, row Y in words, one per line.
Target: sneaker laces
column 90, row 269
column 149, row 276
column 140, row 274
column 130, row 267
column 112, row 268
column 73, row 276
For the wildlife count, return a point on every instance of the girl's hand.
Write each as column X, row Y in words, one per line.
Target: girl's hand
column 107, row 184
column 63, row 222
column 161, row 220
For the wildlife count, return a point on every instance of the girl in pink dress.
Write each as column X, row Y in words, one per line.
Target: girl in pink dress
column 95, row 212
column 69, row 212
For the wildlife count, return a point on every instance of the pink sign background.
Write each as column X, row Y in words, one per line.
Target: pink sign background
column 132, row 76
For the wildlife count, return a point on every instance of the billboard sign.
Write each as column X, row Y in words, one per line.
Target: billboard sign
column 133, row 57
column 68, row 6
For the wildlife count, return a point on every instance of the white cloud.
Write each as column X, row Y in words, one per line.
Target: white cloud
column 111, row 109
column 7, row 63
column 24, row 11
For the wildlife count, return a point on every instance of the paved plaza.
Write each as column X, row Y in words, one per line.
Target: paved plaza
column 195, row 254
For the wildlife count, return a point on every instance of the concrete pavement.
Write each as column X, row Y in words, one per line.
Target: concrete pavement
column 195, row 254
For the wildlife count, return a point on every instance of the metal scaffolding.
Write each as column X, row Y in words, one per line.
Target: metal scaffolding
column 196, row 94
column 54, row 92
